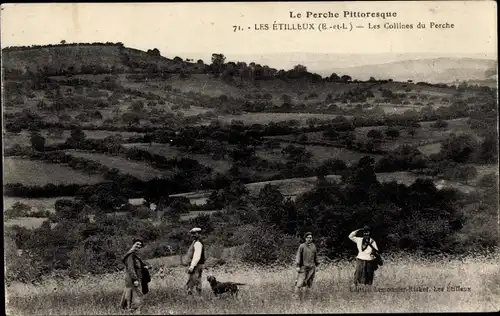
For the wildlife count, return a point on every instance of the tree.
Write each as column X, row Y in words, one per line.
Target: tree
column 137, row 106
column 218, row 61
column 345, row 78
column 489, row 149
column 37, row 141
column 392, row 132
column 334, row 77
column 440, row 124
column 296, row 154
column 375, row 134
column 286, row 98
column 17, row 210
column 461, row 173
column 411, row 131
column 76, row 138
column 153, row 52
column 300, row 68
column 269, row 195
column 459, row 148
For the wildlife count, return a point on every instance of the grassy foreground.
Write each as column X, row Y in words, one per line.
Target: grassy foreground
column 270, row 291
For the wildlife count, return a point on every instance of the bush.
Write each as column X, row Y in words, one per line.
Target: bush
column 267, row 245
column 440, row 124
column 488, row 181
column 17, row 210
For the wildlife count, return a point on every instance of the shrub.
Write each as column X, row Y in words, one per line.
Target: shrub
column 488, row 181
column 267, row 245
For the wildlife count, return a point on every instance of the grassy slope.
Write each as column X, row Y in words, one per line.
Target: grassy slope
column 269, row 290
column 137, row 169
column 170, row 152
column 30, row 172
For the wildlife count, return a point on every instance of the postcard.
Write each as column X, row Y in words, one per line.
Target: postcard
column 250, row 157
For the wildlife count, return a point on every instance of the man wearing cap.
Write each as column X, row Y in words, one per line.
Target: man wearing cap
column 196, row 255
column 306, row 262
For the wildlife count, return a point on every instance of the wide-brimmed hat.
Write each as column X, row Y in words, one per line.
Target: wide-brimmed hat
column 195, row 230
column 136, row 240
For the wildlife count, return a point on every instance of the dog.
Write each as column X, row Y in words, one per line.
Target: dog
column 223, row 287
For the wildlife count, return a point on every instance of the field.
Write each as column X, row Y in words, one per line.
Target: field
column 292, row 187
column 28, row 222
column 23, row 138
column 130, row 90
column 425, row 135
column 430, row 149
column 266, row 118
column 401, row 285
column 139, row 170
column 29, row 172
column 319, row 153
column 428, row 139
column 170, row 152
column 40, row 204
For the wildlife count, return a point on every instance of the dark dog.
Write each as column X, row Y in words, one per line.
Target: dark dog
column 223, row 287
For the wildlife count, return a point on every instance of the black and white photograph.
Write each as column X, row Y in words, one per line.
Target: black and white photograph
column 250, row 157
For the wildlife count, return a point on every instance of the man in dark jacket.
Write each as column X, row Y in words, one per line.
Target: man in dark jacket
column 306, row 262
column 196, row 257
column 136, row 278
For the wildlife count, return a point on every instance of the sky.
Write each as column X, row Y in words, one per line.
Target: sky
column 196, row 30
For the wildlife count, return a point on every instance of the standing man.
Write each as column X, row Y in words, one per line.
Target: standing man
column 365, row 260
column 136, row 278
column 196, row 255
column 306, row 262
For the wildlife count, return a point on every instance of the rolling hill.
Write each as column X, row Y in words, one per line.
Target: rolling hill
column 435, row 70
column 429, row 67
column 97, row 57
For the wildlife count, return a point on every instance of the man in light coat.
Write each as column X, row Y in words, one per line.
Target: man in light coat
column 196, row 257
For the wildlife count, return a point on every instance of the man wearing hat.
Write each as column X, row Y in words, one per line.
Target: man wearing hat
column 195, row 255
column 306, row 262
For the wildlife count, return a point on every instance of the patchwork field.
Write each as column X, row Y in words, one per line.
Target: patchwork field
column 40, row 204
column 171, row 152
column 23, row 138
column 30, row 172
column 27, row 222
column 319, row 153
column 424, row 135
column 266, row 118
column 482, row 170
column 430, row 149
column 139, row 170
column 292, row 187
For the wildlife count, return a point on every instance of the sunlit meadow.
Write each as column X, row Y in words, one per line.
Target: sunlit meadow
column 269, row 290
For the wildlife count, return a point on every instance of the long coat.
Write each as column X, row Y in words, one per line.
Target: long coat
column 135, row 270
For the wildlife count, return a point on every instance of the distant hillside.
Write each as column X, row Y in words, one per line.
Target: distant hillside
column 103, row 58
column 89, row 58
column 435, row 70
